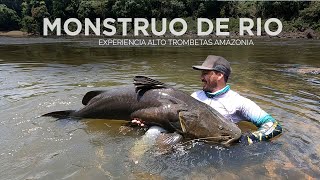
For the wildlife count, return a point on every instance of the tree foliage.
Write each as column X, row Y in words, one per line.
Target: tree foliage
column 9, row 20
column 29, row 14
column 33, row 12
column 13, row 4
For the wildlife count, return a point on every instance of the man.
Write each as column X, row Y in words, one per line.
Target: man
column 215, row 72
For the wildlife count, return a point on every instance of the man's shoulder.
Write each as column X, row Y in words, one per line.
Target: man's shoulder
column 200, row 95
column 197, row 92
column 232, row 93
column 241, row 100
column 235, row 96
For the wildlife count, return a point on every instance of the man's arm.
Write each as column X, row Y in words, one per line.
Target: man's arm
column 268, row 127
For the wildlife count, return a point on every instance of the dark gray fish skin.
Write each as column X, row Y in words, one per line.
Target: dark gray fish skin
column 169, row 108
column 152, row 106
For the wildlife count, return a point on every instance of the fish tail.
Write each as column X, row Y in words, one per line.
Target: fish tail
column 60, row 114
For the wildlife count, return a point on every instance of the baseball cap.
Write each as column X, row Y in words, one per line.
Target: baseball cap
column 216, row 63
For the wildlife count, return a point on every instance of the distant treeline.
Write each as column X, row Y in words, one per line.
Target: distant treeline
column 27, row 15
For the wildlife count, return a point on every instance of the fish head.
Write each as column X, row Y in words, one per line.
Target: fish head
column 207, row 124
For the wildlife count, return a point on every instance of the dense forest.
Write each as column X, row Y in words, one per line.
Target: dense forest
column 27, row 15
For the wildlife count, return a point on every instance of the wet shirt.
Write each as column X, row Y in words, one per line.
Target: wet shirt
column 237, row 108
column 234, row 106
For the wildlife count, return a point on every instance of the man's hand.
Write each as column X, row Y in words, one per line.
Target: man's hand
column 138, row 122
column 248, row 138
column 265, row 133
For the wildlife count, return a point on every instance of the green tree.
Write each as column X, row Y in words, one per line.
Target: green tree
column 229, row 9
column 33, row 12
column 95, row 9
column 192, row 8
column 9, row 19
column 29, row 14
column 283, row 10
column 212, row 9
column 13, row 4
column 132, row 8
column 311, row 14
column 173, row 9
column 201, row 11
column 63, row 9
column 247, row 9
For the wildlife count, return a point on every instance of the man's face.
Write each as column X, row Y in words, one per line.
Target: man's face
column 209, row 79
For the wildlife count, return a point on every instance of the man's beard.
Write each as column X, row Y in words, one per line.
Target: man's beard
column 209, row 87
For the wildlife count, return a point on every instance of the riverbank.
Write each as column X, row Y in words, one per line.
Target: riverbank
column 14, row 33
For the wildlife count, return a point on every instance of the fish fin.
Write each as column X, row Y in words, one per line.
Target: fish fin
column 89, row 95
column 60, row 114
column 180, row 125
column 166, row 141
column 145, row 83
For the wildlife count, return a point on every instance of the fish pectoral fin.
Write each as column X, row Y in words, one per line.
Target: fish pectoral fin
column 146, row 83
column 89, row 95
column 166, row 141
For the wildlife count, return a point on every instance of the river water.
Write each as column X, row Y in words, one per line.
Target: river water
column 43, row 75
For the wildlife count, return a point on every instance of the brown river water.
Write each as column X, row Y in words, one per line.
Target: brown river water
column 43, row 75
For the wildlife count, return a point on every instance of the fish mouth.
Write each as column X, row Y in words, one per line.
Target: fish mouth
column 222, row 139
column 182, row 122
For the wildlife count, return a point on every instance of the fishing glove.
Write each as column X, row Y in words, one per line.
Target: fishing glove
column 265, row 133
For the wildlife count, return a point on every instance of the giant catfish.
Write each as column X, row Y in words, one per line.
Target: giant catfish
column 157, row 104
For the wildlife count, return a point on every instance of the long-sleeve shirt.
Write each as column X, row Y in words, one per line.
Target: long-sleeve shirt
column 237, row 108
